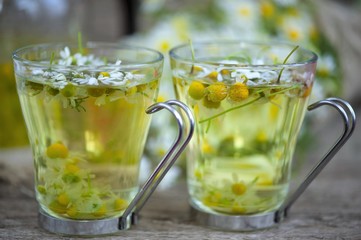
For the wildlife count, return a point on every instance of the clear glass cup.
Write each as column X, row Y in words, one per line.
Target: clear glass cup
column 84, row 109
column 249, row 101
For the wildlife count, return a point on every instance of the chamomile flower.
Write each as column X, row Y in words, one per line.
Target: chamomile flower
column 115, row 78
column 59, row 81
column 242, row 16
column 78, row 59
column 65, row 54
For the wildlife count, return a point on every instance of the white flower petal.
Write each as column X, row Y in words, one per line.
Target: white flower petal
column 59, row 77
column 65, row 53
column 38, row 72
column 93, row 81
column 118, row 75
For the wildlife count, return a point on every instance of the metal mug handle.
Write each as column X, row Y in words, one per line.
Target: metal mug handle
column 130, row 215
column 349, row 119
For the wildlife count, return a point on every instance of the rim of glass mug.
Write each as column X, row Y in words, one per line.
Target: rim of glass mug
column 177, row 53
column 148, row 58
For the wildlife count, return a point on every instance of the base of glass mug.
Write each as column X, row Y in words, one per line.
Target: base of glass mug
column 78, row 227
column 233, row 222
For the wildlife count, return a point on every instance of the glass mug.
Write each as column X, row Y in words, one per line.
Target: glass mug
column 84, row 109
column 249, row 101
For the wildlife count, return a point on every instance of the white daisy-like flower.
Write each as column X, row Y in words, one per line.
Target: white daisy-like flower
column 37, row 72
column 86, row 80
column 113, row 81
column 59, row 80
column 59, row 77
column 64, row 54
column 67, row 59
column 117, row 75
column 115, row 78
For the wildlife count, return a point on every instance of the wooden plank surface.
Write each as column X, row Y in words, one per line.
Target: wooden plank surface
column 329, row 209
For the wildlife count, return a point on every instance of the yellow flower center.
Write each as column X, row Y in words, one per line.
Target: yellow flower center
column 164, row 46
column 105, row 74
column 267, row 9
column 238, row 92
column 293, row 34
column 120, row 204
column 261, row 136
column 217, row 92
column 63, row 199
column 57, row 150
column 196, row 90
column 71, row 168
column 239, row 188
column 244, row 11
column 161, row 98
column 207, row 148
column 213, row 75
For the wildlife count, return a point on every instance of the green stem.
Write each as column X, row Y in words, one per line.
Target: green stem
column 193, row 55
column 248, row 103
column 52, row 58
column 284, row 62
column 80, row 43
column 284, row 90
column 208, row 126
column 230, row 109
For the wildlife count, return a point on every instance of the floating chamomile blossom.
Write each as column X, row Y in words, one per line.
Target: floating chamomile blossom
column 78, row 59
column 113, row 78
column 57, row 79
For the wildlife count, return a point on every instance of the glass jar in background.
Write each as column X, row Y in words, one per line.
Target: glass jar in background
column 25, row 22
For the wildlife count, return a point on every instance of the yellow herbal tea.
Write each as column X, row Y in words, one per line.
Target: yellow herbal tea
column 87, row 126
column 248, row 108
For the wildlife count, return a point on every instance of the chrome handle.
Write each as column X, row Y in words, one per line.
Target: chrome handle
column 185, row 133
column 349, row 119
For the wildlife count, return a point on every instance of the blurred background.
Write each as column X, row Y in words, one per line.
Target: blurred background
column 330, row 28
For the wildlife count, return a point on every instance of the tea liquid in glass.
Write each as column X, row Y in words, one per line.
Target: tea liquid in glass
column 239, row 158
column 87, row 143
